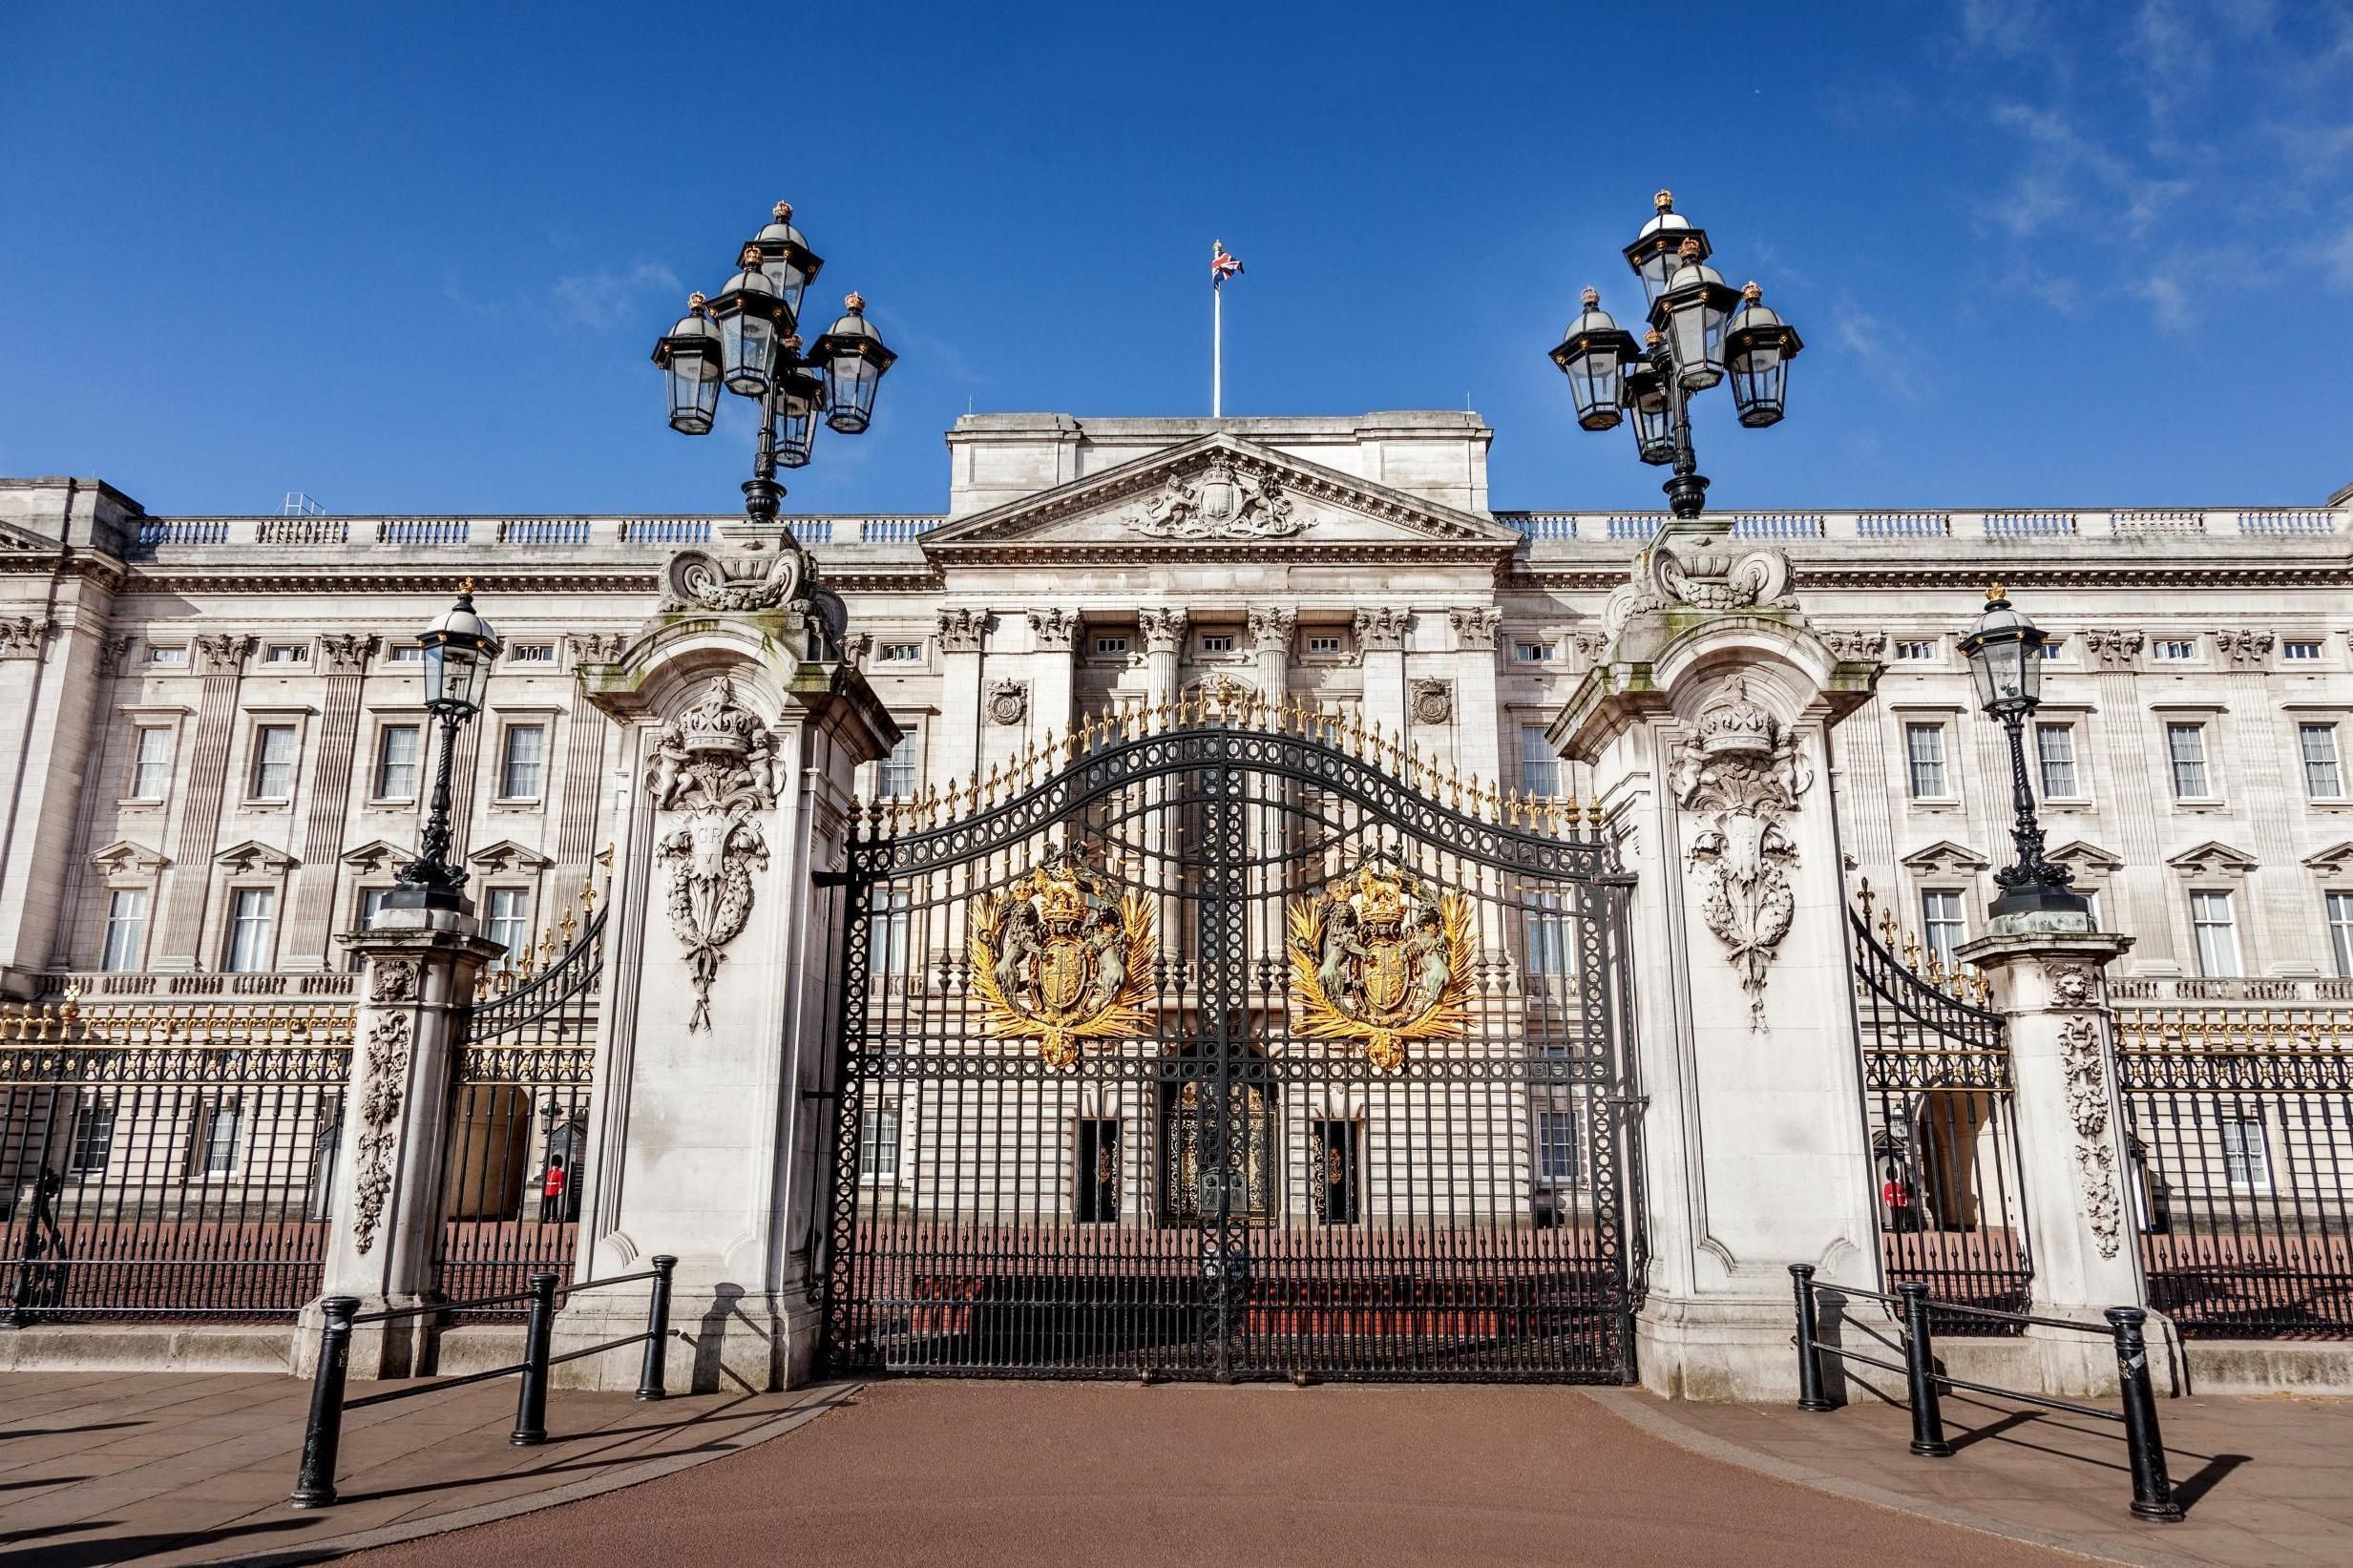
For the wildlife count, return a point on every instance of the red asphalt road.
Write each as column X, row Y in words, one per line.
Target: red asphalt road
column 1120, row 1477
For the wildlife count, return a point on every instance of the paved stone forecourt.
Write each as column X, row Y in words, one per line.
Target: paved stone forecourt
column 171, row 1470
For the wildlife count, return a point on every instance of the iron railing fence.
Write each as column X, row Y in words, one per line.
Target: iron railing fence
column 2241, row 1127
column 168, row 1161
column 1939, row 1110
column 519, row 1145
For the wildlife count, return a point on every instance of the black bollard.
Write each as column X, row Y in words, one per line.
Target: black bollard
column 1810, row 1396
column 531, row 1404
column 1920, row 1375
column 314, row 1487
column 2153, row 1489
column 656, row 1332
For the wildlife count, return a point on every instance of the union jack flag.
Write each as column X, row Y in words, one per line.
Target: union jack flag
column 1222, row 264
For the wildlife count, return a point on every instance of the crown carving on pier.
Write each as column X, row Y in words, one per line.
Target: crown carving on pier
column 716, row 726
column 1735, row 724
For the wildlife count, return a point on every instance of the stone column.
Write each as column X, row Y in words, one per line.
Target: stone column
column 220, row 660
column 1054, row 635
column 1271, row 629
column 956, row 751
column 1380, row 641
column 2074, row 1168
column 1707, row 726
column 1478, row 734
column 309, row 926
column 2137, row 899
column 385, row 1213
column 1163, row 643
column 53, row 717
column 742, row 731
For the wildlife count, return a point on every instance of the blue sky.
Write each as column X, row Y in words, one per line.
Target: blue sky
column 412, row 258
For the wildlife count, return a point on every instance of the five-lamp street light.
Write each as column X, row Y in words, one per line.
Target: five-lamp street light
column 747, row 338
column 1702, row 332
column 458, row 650
column 2005, row 651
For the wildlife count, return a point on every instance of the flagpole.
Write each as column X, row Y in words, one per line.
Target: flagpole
column 1217, row 346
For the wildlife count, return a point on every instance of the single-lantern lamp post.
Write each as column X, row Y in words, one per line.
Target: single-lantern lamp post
column 1702, row 332
column 2005, row 651
column 747, row 338
column 458, row 650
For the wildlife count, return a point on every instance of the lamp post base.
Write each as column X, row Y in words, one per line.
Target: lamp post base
column 2039, row 907
column 411, row 895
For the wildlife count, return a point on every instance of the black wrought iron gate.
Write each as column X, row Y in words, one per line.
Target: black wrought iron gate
column 1240, row 1047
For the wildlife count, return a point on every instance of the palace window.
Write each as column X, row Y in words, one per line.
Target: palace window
column 2300, row 651
column 1337, row 1179
column 150, row 764
column 2055, row 752
column 94, row 1138
column 2217, row 934
column 253, row 921
column 1924, row 755
column 1943, row 924
column 1540, row 765
column 1217, row 642
column 899, row 653
column 2339, row 910
column 1097, row 1177
column 1915, row 650
column 286, row 652
column 175, row 655
column 1323, row 643
column 2185, row 753
column 878, row 1142
column 1550, row 938
column 896, row 781
column 532, row 653
column 405, row 652
column 398, row 747
column 372, row 905
column 273, row 762
column 126, row 929
column 224, row 1130
column 1532, row 653
column 2246, row 1160
column 1558, row 1157
column 510, row 922
column 2175, row 650
column 2324, row 766
column 522, row 762
column 2051, row 649
column 1111, row 644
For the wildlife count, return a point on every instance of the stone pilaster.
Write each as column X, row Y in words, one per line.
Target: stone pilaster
column 220, row 660
column 577, row 837
column 1163, row 644
column 721, row 984
column 1380, row 642
column 53, row 696
column 956, row 749
column 2074, row 1167
column 1271, row 629
column 1479, row 733
column 1707, row 725
column 385, row 1217
column 311, row 903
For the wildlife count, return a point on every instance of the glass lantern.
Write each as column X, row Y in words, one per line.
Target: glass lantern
column 1593, row 354
column 690, row 356
column 853, row 359
column 1757, row 349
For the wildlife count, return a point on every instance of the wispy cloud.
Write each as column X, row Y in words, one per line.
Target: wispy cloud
column 602, row 298
column 1890, row 358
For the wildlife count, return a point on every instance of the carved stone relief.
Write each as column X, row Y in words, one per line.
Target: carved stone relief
column 1382, row 631
column 1476, row 625
column 2244, row 650
column 1164, row 630
column 1226, row 501
column 1054, row 630
column 962, row 631
column 1007, row 702
column 1432, row 701
column 1856, row 644
column 2072, row 984
column 221, row 652
column 2080, row 1046
column 597, row 647
column 2114, row 650
column 24, row 638
column 856, row 647
column 395, row 980
column 112, row 652
column 1740, row 775
column 714, row 766
column 1271, row 628
column 385, row 1058
column 1591, row 646
column 346, row 653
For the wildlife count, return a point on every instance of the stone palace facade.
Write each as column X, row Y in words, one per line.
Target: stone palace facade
column 218, row 752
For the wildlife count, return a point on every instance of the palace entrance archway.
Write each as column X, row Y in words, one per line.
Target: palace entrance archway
column 1234, row 1047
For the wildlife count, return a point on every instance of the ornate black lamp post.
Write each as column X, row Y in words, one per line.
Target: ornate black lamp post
column 2004, row 650
column 458, row 650
column 748, row 340
column 1702, row 329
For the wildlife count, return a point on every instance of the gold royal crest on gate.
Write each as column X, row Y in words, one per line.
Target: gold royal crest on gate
column 1378, row 961
column 1057, row 960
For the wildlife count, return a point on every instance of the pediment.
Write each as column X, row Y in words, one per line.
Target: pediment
column 122, row 857
column 377, row 855
column 507, row 855
column 1222, row 496
column 2212, row 856
column 2083, row 853
column 2334, row 861
column 244, row 859
column 1945, row 858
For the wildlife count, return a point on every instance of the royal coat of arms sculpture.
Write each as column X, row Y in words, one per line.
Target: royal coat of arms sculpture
column 1057, row 960
column 1380, row 961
